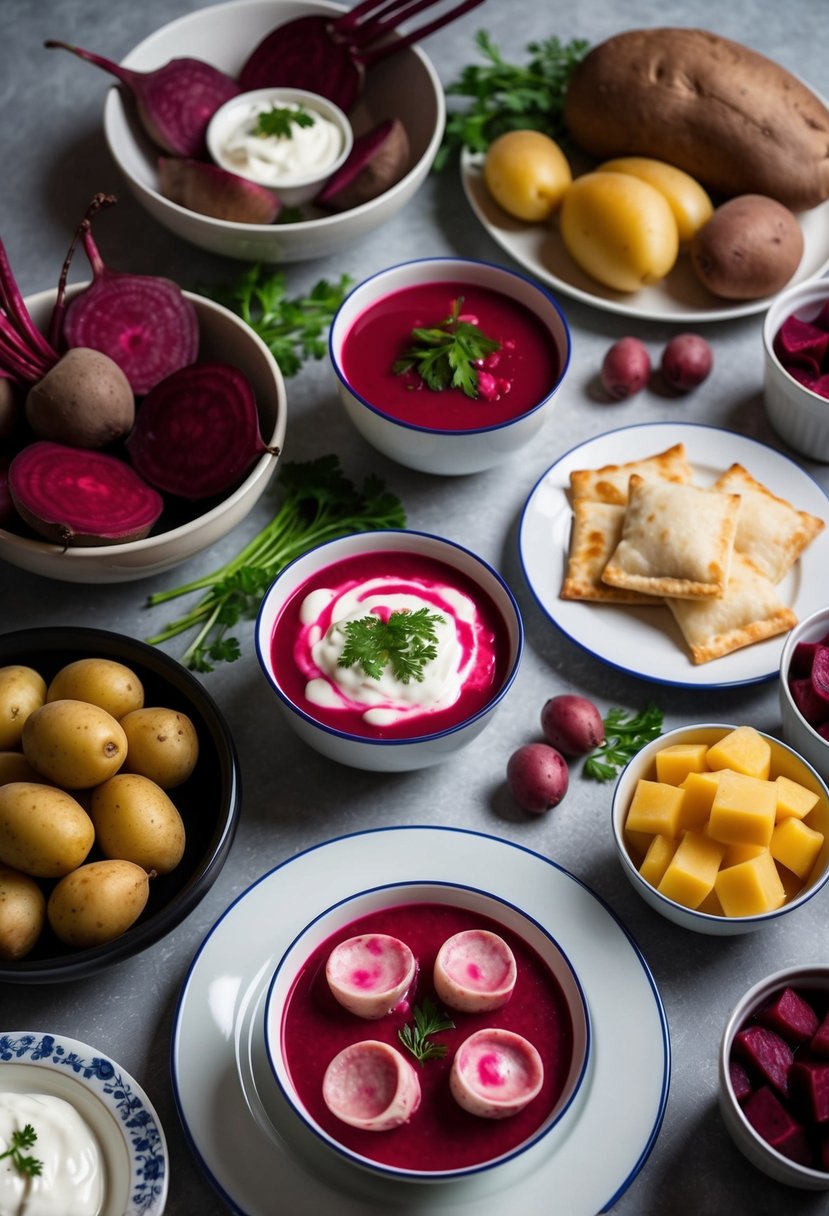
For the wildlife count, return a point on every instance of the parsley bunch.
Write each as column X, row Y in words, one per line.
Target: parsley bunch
column 445, row 355
column 428, row 1020
column 625, row 735
column 406, row 641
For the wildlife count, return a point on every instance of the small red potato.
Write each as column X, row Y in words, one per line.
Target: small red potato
column 572, row 724
column 626, row 368
column 537, row 777
column 686, row 361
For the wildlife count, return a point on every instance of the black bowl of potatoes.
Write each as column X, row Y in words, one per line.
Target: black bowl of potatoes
column 119, row 799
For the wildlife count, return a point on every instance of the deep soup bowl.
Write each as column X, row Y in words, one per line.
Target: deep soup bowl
column 422, row 740
column 483, row 433
column 423, row 912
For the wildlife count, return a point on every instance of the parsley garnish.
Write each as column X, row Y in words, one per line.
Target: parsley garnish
column 277, row 121
column 405, row 641
column 31, row 1167
column 428, row 1020
column 444, row 355
column 624, row 737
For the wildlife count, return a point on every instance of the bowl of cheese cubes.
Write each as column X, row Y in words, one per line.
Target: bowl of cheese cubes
column 721, row 828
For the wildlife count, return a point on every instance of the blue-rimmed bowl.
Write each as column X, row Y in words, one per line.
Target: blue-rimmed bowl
column 565, row 1107
column 386, row 754
column 425, row 448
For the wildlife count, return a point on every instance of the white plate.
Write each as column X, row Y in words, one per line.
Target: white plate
column 239, row 1124
column 646, row 642
column 679, row 297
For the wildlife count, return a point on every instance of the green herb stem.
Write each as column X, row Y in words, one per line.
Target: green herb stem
column 428, row 1020
column 625, row 735
column 30, row 1167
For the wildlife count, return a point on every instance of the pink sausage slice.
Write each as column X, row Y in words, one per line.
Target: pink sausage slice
column 371, row 1086
column 495, row 1073
column 370, row 974
column 475, row 971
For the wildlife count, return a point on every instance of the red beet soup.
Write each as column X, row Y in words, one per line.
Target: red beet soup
column 514, row 378
column 471, row 646
column 440, row 1135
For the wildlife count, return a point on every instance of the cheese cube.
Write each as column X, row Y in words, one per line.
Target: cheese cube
column 700, row 789
column 735, row 853
column 675, row 762
column 655, row 808
column 711, row 904
column 743, row 809
column 657, row 858
column 692, row 870
column 638, row 844
column 796, row 846
column 793, row 799
column 750, row 888
column 744, row 750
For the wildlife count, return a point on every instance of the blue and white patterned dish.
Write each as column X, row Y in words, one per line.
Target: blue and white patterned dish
column 128, row 1130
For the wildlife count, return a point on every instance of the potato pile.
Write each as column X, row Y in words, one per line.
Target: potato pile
column 85, row 765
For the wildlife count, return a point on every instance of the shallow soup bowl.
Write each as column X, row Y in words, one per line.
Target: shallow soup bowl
column 447, row 432
column 386, row 722
column 423, row 916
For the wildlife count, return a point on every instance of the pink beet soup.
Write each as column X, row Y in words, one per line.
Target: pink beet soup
column 440, row 1135
column 473, row 653
column 520, row 374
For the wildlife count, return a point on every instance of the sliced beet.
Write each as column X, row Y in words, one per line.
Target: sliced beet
column 304, row 54
column 770, row 1119
column 740, row 1080
column 210, row 190
column 75, row 496
column 197, row 432
column 801, row 340
column 809, row 1083
column 768, row 1054
column 377, row 160
column 820, row 675
column 807, row 702
column 791, row 1016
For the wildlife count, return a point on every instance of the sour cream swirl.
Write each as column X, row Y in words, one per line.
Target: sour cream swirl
column 72, row 1179
column 280, row 160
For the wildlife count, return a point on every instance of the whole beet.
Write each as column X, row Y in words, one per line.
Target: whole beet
column 85, row 401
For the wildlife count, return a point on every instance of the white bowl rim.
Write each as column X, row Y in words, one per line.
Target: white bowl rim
column 466, row 1171
column 502, row 272
column 795, row 636
column 409, row 741
column 784, row 305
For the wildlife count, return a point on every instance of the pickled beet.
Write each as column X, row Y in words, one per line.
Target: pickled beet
column 768, row 1053
column 771, row 1120
column 790, row 1016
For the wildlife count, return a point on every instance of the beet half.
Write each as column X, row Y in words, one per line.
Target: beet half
column 378, row 160
column 210, row 190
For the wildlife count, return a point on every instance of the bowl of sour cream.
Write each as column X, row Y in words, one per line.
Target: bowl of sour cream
column 389, row 650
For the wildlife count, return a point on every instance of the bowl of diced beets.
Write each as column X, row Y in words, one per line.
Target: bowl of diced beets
column 774, row 1076
column 796, row 380
column 804, row 690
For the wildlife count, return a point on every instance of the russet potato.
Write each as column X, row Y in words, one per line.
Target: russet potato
column 73, row 743
column 44, row 831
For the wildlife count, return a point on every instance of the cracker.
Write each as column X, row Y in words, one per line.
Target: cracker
column 771, row 532
column 596, row 531
column 610, row 483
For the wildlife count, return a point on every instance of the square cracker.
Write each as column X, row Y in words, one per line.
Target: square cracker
column 610, row 482
column 677, row 540
column 771, row 532
column 750, row 611
column 597, row 530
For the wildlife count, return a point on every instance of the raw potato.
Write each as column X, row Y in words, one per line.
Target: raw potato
column 97, row 902
column 736, row 121
column 527, row 174
column 162, row 744
column 686, row 198
column 44, row 831
column 22, row 690
column 22, row 914
column 136, row 821
column 750, row 248
column 74, row 744
column 103, row 682
column 15, row 767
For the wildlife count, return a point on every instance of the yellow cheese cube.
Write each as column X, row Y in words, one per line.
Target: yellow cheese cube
column 750, row 888
column 792, row 885
column 675, row 762
column 691, row 872
column 793, row 799
column 638, row 844
column 655, row 808
column 796, row 846
column 700, row 789
column 743, row 809
column 657, row 858
column 744, row 750
column 711, row 904
column 735, row 853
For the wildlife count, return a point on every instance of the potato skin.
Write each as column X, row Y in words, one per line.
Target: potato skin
column 136, row 821
column 527, row 174
column 97, row 902
column 162, row 744
column 735, row 120
column 44, row 832
column 103, row 682
column 750, row 248
column 73, row 743
column 22, row 691
column 22, row 913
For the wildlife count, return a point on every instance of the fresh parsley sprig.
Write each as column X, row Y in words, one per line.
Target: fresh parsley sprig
column 278, row 120
column 445, row 355
column 428, row 1020
column 405, row 641
column 625, row 735
column 30, row 1167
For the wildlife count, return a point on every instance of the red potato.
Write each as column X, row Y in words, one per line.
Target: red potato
column 626, row 368
column 572, row 724
column 537, row 777
column 686, row 361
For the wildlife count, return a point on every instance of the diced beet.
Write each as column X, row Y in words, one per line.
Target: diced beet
column 812, row 707
column 819, row 1044
column 767, row 1053
column 797, row 338
column 820, row 675
column 809, row 1083
column 740, row 1080
column 770, row 1119
column 791, row 1016
column 802, row 658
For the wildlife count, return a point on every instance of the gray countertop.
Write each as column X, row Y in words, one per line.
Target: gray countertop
column 54, row 157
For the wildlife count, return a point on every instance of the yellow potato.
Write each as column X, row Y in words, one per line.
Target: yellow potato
column 687, row 199
column 97, row 902
column 15, row 767
column 104, row 682
column 44, row 831
column 135, row 820
column 619, row 230
column 526, row 173
column 73, row 743
column 22, row 690
column 22, row 913
column 162, row 744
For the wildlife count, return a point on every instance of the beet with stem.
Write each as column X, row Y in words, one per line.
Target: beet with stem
column 210, row 190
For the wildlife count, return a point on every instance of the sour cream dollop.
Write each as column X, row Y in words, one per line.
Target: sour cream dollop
column 72, row 1179
column 311, row 148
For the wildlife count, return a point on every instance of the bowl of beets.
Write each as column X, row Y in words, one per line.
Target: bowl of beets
column 804, row 690
column 139, row 423
column 774, row 1076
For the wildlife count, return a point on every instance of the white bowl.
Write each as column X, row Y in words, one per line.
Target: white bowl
column 130, row 1137
column 405, row 86
column 761, row 1154
column 786, row 761
column 442, row 451
column 223, row 336
column 799, row 416
column 389, row 754
column 479, row 902
column 796, row 730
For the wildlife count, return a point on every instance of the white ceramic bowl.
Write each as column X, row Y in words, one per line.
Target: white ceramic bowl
column 559, row 1118
column 130, row 1137
column 441, row 451
column 405, row 86
column 377, row 754
column 796, row 730
column 223, row 336
column 799, row 416
column 761, row 1154
column 786, row 761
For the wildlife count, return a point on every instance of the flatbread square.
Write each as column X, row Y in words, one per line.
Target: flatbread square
column 771, row 532
column 610, row 482
column 596, row 531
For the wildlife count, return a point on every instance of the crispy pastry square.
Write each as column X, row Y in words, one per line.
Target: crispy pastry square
column 597, row 530
column 610, row 483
